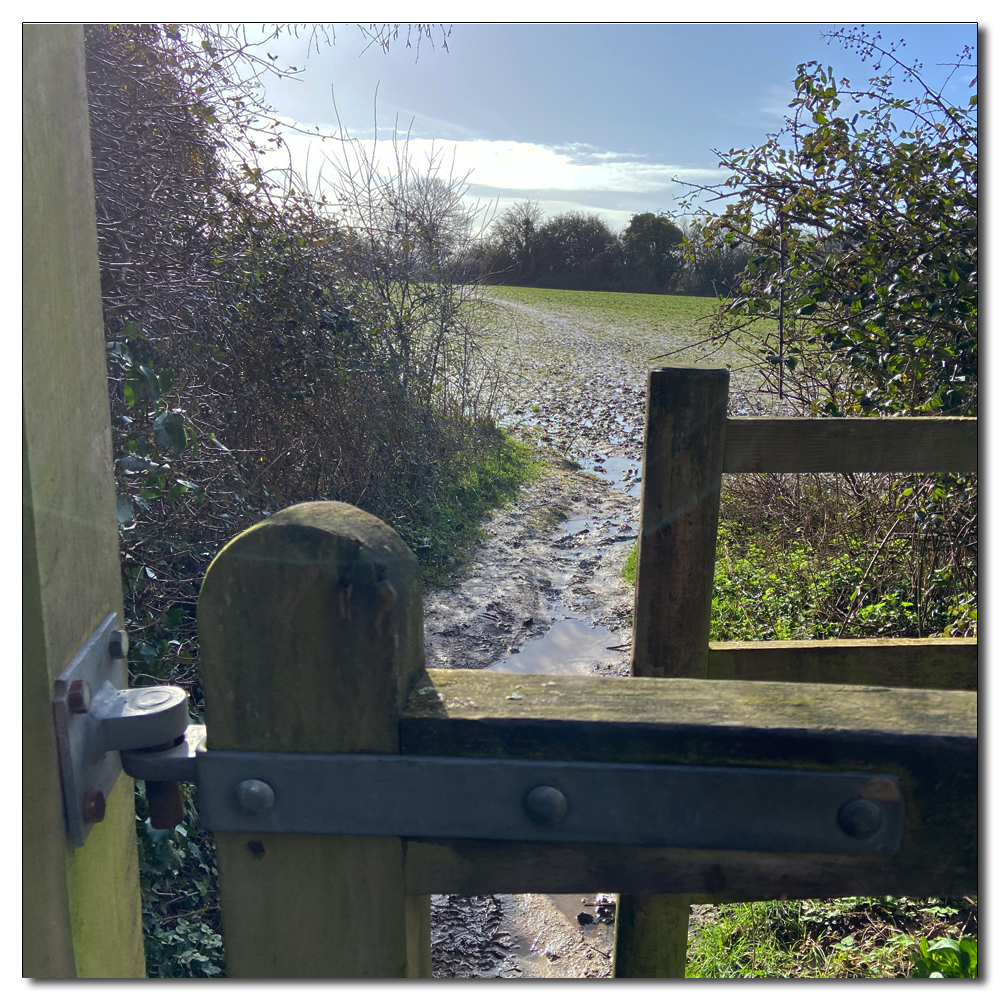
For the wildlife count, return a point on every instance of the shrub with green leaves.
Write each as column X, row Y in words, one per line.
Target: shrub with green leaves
column 861, row 217
column 945, row 958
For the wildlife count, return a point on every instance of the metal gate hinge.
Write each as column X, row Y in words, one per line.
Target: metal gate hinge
column 720, row 808
column 96, row 717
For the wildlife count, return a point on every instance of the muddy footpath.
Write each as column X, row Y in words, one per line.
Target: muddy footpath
column 544, row 594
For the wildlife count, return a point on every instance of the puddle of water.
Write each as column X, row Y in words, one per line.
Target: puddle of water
column 571, row 646
column 623, row 473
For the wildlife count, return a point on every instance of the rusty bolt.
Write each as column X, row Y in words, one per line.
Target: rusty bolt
column 118, row 645
column 93, row 807
column 78, row 698
column 166, row 804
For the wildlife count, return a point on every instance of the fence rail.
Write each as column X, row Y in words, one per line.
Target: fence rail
column 945, row 664
column 891, row 444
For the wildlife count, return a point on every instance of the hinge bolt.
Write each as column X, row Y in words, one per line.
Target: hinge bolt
column 118, row 645
column 255, row 797
column 166, row 804
column 93, row 807
column 78, row 697
column 860, row 818
column 545, row 805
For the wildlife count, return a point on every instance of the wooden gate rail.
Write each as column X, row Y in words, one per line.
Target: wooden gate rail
column 889, row 444
column 946, row 664
column 928, row 738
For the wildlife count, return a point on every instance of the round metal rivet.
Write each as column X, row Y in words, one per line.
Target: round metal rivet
column 545, row 805
column 860, row 818
column 255, row 797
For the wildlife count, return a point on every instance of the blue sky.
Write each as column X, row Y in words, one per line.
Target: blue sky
column 593, row 117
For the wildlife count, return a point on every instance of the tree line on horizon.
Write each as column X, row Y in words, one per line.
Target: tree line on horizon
column 581, row 252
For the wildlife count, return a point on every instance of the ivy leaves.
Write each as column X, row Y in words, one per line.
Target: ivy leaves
column 151, row 434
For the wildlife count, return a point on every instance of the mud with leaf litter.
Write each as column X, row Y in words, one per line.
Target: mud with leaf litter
column 544, row 594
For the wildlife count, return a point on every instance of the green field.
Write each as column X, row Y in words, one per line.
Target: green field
column 630, row 307
column 678, row 327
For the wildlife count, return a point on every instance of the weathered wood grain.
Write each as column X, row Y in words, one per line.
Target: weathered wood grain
column 927, row 738
column 866, row 444
column 475, row 867
column 674, row 720
column 311, row 634
column 81, row 912
column 946, row 664
column 679, row 518
column 651, row 935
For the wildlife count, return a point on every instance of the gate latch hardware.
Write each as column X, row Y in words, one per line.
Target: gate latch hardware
column 97, row 717
column 722, row 808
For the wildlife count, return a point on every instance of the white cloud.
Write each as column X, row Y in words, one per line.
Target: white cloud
column 575, row 176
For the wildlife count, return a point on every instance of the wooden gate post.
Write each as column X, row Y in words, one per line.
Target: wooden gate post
column 679, row 519
column 81, row 911
column 311, row 633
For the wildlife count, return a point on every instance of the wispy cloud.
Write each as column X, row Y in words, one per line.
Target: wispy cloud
column 571, row 176
column 509, row 164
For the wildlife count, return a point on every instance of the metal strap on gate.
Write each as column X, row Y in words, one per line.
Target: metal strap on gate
column 725, row 808
column 104, row 729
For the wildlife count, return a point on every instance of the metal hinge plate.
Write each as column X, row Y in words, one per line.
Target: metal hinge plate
column 96, row 717
column 721, row 808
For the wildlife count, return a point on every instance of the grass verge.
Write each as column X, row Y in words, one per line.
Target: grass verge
column 444, row 530
column 858, row 937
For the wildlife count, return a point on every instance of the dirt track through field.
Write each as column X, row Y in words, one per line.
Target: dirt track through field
column 544, row 594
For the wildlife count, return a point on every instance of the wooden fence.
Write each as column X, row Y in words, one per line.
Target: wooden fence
column 311, row 635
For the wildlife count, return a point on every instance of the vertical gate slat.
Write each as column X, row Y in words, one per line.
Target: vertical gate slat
column 311, row 636
column 679, row 517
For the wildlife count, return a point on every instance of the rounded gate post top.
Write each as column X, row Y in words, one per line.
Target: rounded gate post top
column 311, row 632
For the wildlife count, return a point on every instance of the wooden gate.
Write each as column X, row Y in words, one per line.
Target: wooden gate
column 312, row 642
column 311, row 638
